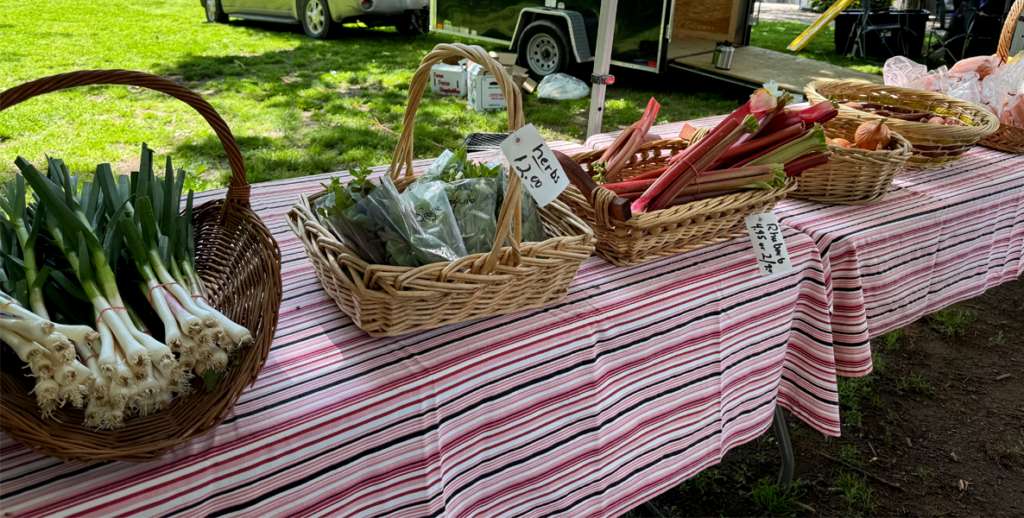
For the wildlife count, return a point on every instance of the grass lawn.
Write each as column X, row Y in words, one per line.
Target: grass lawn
column 296, row 105
column 777, row 35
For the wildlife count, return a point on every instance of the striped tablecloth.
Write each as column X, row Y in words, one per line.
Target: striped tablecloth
column 938, row 237
column 639, row 379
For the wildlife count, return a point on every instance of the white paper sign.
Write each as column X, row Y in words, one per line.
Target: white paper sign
column 531, row 158
column 769, row 247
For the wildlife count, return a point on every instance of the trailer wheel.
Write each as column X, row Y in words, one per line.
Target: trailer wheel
column 544, row 49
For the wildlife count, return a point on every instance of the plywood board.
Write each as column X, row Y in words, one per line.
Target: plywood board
column 758, row 66
column 685, row 47
column 712, row 19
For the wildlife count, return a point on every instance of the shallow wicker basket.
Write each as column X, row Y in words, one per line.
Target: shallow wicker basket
column 934, row 146
column 669, row 231
column 1007, row 138
column 239, row 261
column 853, row 176
column 388, row 300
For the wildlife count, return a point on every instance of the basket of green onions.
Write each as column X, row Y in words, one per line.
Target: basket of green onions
column 129, row 325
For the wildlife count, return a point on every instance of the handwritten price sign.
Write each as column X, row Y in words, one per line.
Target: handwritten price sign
column 769, row 247
column 532, row 159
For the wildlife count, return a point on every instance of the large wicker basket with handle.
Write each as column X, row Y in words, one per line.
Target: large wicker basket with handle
column 668, row 231
column 854, row 176
column 389, row 300
column 934, row 146
column 238, row 260
column 1008, row 138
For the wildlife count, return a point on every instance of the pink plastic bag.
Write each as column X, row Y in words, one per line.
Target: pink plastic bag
column 982, row 65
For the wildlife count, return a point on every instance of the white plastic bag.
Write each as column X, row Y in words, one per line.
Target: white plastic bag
column 562, row 87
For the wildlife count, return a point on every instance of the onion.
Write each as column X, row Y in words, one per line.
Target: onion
column 841, row 142
column 873, row 135
column 936, row 120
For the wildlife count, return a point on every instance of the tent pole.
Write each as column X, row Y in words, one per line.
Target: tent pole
column 600, row 77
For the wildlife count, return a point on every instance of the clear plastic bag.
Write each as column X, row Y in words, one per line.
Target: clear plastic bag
column 472, row 191
column 417, row 227
column 351, row 225
column 562, row 87
column 533, row 225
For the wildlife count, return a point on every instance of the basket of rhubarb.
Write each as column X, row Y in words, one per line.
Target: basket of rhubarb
column 650, row 199
column 129, row 326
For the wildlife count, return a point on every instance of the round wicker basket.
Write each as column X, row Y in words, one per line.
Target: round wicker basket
column 1009, row 138
column 933, row 146
column 853, row 176
column 668, row 231
column 237, row 258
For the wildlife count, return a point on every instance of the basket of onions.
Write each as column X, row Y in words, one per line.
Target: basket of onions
column 940, row 128
column 862, row 166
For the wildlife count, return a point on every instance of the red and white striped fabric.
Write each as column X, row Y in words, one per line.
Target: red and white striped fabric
column 939, row 237
column 639, row 379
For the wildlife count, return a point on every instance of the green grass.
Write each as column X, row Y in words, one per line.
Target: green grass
column 297, row 106
column 998, row 339
column 925, row 474
column 777, row 35
column 915, row 383
column 892, row 340
column 856, row 493
column 850, row 454
column 952, row 322
column 771, row 500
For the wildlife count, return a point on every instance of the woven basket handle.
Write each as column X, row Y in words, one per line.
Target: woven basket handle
column 238, row 188
column 1006, row 38
column 511, row 209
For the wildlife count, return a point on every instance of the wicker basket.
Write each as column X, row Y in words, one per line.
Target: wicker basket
column 854, row 176
column 238, row 260
column 1008, row 138
column 669, row 231
column 934, row 146
column 388, row 300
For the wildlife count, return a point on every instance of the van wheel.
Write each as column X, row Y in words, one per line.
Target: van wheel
column 414, row 23
column 214, row 12
column 316, row 20
column 544, row 49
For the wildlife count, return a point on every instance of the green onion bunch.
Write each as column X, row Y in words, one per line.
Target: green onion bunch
column 100, row 297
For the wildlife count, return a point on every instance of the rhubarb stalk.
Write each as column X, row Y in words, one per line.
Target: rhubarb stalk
column 697, row 160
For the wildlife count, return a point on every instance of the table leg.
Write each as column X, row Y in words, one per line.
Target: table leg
column 650, row 508
column 785, row 448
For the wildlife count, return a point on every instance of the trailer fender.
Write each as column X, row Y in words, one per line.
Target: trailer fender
column 573, row 21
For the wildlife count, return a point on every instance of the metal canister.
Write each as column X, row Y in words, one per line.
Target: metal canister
column 723, row 55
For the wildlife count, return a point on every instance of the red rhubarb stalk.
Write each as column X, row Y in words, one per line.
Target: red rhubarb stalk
column 747, row 182
column 617, row 160
column 816, row 159
column 690, row 198
column 632, row 185
column 754, row 147
column 810, row 142
column 683, row 172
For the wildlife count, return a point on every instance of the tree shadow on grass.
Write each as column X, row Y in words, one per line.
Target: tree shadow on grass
column 315, row 108
column 332, row 105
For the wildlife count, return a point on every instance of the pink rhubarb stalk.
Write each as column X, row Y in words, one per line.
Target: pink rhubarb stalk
column 697, row 160
column 816, row 159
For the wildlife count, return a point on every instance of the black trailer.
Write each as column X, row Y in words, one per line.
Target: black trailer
column 550, row 35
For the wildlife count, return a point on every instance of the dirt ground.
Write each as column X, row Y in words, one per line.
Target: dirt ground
column 936, row 430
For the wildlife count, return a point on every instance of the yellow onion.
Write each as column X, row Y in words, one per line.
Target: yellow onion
column 841, row 142
column 873, row 135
